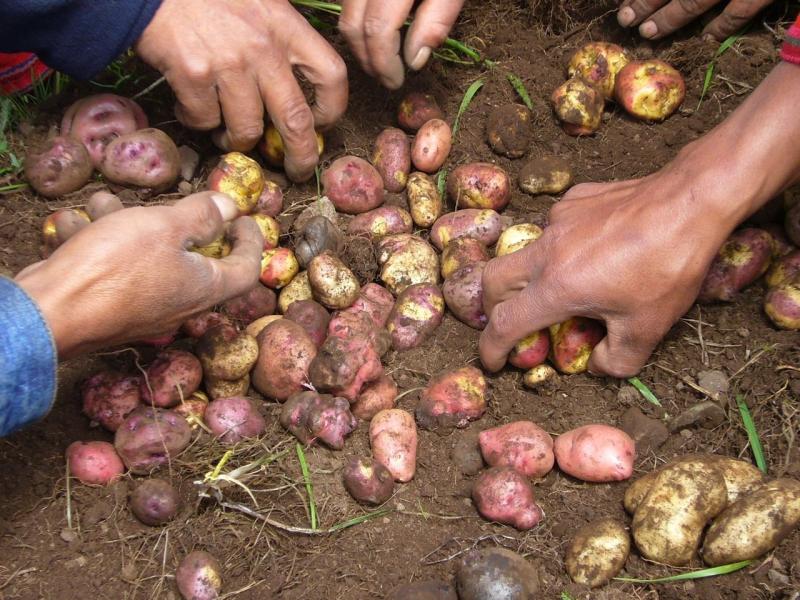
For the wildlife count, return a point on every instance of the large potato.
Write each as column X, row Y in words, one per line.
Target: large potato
column 596, row 453
column 392, row 158
column 353, row 185
column 345, row 364
column 479, row 185
column 405, row 260
column 145, row 158
column 393, row 437
column 416, row 314
column 284, row 356
column 482, row 225
column 58, row 166
column 522, row 445
column 381, row 221
column 424, row 200
column 650, row 90
column 597, row 552
column 452, row 399
column 463, row 293
column 376, row 302
column 226, row 353
column 431, row 146
column 332, row 284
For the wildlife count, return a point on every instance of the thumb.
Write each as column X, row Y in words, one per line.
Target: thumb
column 238, row 272
column 202, row 216
column 623, row 352
column 433, row 20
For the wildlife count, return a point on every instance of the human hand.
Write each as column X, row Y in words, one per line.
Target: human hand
column 226, row 61
column 372, row 29
column 131, row 275
column 659, row 18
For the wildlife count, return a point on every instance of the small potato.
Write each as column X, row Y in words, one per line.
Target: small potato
column 597, row 552
column 784, row 270
column 508, row 130
column 431, row 146
column 743, row 258
column 596, row 453
column 150, row 438
column 452, row 399
column 226, row 353
column 61, row 225
column 218, row 248
column 234, row 419
column 172, row 376
column 240, row 177
column 522, row 445
column 102, row 203
column 278, row 267
column 572, row 342
column 332, row 284
column 199, row 576
column 375, row 396
column 145, row 158
column 416, row 109
column 367, row 480
column 58, row 166
column 424, row 200
column 259, row 302
column 650, row 90
column 463, row 293
column 579, row 106
column 392, row 158
column 312, row 317
column 545, row 175
column 284, row 356
column 319, row 234
column 310, row 416
column 353, row 185
column 482, row 225
column 516, row 238
column 405, row 260
column 416, row 315
column 109, row 397
column 539, row 376
column 270, row 230
column 155, row 502
column 94, row 463
column 270, row 201
column 502, row 494
column 193, row 408
column 272, row 148
column 257, row 326
column 782, row 304
column 344, row 365
column 197, row 325
column 479, row 185
column 376, row 301
column 381, row 221
column 297, row 289
column 223, row 388
column 393, row 438
column 496, row 574
column 598, row 63
column 461, row 252
column 531, row 350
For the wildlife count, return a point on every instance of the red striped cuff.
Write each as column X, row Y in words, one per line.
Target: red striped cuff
column 790, row 51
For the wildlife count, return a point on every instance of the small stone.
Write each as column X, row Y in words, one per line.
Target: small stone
column 649, row 434
column 628, row 395
column 185, row 188
column 714, row 381
column 128, row 572
column 743, row 332
column 400, row 506
column 706, row 414
column 68, row 535
column 685, row 433
column 76, row 563
column 778, row 578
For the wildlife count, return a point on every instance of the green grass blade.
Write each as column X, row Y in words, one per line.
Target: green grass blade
column 312, row 506
column 706, row 82
column 566, row 596
column 361, row 519
column 723, row 47
column 700, row 574
column 465, row 102
column 519, row 86
column 441, row 181
column 644, row 390
column 752, row 433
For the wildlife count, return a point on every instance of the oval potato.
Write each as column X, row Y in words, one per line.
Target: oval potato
column 482, row 225
column 332, row 284
column 597, row 552
column 392, row 158
column 393, row 437
column 431, row 145
column 479, row 185
column 424, row 200
column 406, row 259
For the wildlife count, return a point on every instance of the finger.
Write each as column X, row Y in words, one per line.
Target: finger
column 197, row 105
column 734, row 17
column 202, row 217
column 624, row 350
column 505, row 276
column 242, row 110
column 351, row 24
column 587, row 190
column 673, row 16
column 383, row 20
column 433, row 21
column 238, row 272
column 634, row 12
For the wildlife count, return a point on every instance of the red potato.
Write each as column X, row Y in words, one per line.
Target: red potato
column 393, row 438
column 310, row 416
column 424, row 200
column 419, row 310
column 155, row 502
column 743, row 258
column 597, row 453
column 502, row 494
column 240, row 177
column 199, row 576
column 146, row 158
column 782, row 304
column 319, row 234
column 381, row 221
column 297, row 289
column 598, row 63
column 522, row 445
column 332, row 283
column 376, row 396
column 350, row 323
column 150, row 438
column 353, row 185
column 94, row 463
column 270, row 230
column 782, row 245
column 193, row 408
column 783, row 270
column 285, row 354
column 99, row 119
column 108, row 398
column 234, row 419
column 650, row 90
column 102, row 203
column 479, row 185
column 483, row 225
column 312, row 317
column 516, row 237
column 272, row 149
column 376, row 301
column 461, row 252
column 406, row 259
column 260, row 301
column 508, row 130
column 531, row 350
column 463, row 294
column 367, row 480
column 572, row 342
column 58, row 166
column 270, row 201
column 173, row 376
column 431, row 146
column 226, row 353
column 578, row 106
column 197, row 326
column 452, row 399
column 392, row 158
column 224, row 388
column 416, row 109
column 344, row 365
column 278, row 267
column 61, row 225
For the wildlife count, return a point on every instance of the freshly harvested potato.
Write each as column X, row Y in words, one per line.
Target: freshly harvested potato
column 298, row 288
column 598, row 63
column 539, row 376
column 226, row 353
column 199, row 576
column 416, row 109
column 784, row 270
column 545, row 175
column 494, row 574
column 193, row 408
column 109, row 397
column 145, row 158
column 479, row 185
column 270, row 201
column 155, row 502
column 367, row 480
column 406, row 259
column 579, row 106
column 171, row 377
column 344, row 365
column 353, row 185
column 223, row 388
column 375, row 396
column 419, row 310
column 240, row 177
column 260, row 301
column 461, row 252
column 782, row 304
column 531, row 350
column 310, row 416
column 376, row 301
column 482, row 225
column 272, row 149
column 332, row 283
column 508, row 130
column 596, row 453
column 452, row 399
column 58, row 166
column 572, row 342
column 151, row 437
column 522, row 445
column 517, row 237
column 381, row 221
column 392, row 158
column 102, row 203
column 360, row 324
column 431, row 146
column 278, row 267
column 197, row 325
column 285, row 353
column 393, row 438
column 61, row 225
column 312, row 317
column 270, row 230
column 254, row 328
column 218, row 248
column 424, row 200
column 319, row 234
column 598, row 552
column 463, row 293
column 743, row 258
column 650, row 90
column 94, row 463
column 502, row 494
column 234, row 419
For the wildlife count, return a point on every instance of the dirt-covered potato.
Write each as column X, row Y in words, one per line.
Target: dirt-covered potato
column 508, row 130
column 743, row 258
column 596, row 453
column 199, row 576
column 362, row 324
column 145, row 158
column 517, row 237
column 784, row 269
column 782, row 304
column 423, row 590
column 197, row 325
column 297, row 289
column 522, row 445
column 58, row 166
column 419, row 310
column 285, row 353
column 310, row 416
column 234, row 419
column 479, row 185
column 539, row 376
column 579, row 106
column 278, row 267
column 102, row 203
column 154, row 502
column 270, row 201
column 381, row 221
column 416, row 109
column 483, row 225
column 345, row 364
column 572, row 342
column 226, row 353
column 461, row 252
column 150, row 437
column 353, row 185
column 367, row 480
column 240, row 177
column 319, row 234
column 406, row 259
column 61, row 225
column 531, row 350
column 504, row 495
column 94, row 463
column 260, row 301
column 452, row 399
column 424, row 200
column 375, row 396
column 223, row 388
column 332, row 283
column 272, row 149
column 312, row 317
column 376, row 301
column 392, row 158
column 597, row 552
column 650, row 90
column 109, row 397
column 171, row 377
column 545, row 175
column 496, row 573
column 463, row 294
column 270, row 230
column 431, row 146
column 393, row 438
column 598, row 63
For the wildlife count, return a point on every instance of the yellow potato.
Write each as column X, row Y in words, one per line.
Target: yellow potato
column 598, row 552
column 517, row 237
column 332, row 283
column 256, row 326
column 220, row 388
column 298, row 289
column 424, row 200
column 405, row 260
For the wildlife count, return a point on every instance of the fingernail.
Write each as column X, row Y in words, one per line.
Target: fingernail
column 625, row 16
column 648, row 29
column 227, row 207
column 421, row 58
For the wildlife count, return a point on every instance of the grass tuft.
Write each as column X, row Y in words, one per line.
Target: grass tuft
column 312, row 506
column 644, row 390
column 752, row 433
column 699, row 574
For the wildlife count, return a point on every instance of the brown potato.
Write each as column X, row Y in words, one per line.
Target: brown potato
column 392, row 158
column 353, row 185
column 424, row 200
column 381, row 221
column 416, row 109
column 145, row 158
column 579, row 106
column 58, row 166
column 226, row 353
column 597, row 552
column 431, row 146
column 222, row 388
column 285, row 354
column 482, row 225
column 332, row 284
column 508, row 130
column 479, row 185
column 319, row 234
column 462, row 252
column 517, row 237
column 545, row 175
column 406, row 259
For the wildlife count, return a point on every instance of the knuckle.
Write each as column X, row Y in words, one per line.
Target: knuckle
column 348, row 28
column 297, row 118
column 335, row 69
column 243, row 137
column 198, row 71
column 692, row 7
column 374, row 26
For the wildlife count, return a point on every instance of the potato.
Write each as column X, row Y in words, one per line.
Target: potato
column 502, row 494
column 578, row 106
column 151, row 437
column 218, row 248
column 310, row 416
column 416, row 109
column 531, row 350
column 381, row 221
column 319, row 234
column 424, row 200
column 285, row 353
column 783, row 270
column 260, row 301
column 99, row 119
column 496, row 574
column 154, row 502
column 270, row 230
column 375, row 396
column 572, row 341
column 356, row 323
column 197, row 325
column 598, row 63
column 145, row 158
column 102, row 203
column 278, row 267
column 159, row 341
column 743, row 258
column 431, row 146
column 190, row 160
column 199, row 576
column 508, row 130
column 423, row 590
column 452, row 399
column 392, row 158
column 538, row 376
column 257, row 326
column 367, row 480
column 516, row 238
column 109, row 397
column 312, row 317
column 522, row 445
column 171, row 377
column 461, row 252
column 596, row 453
column 782, row 304
column 597, row 552
column 393, row 438
column 376, row 301
column 755, row 524
column 58, row 166
column 482, row 225
column 650, row 90
column 344, row 365
column 61, row 225
column 479, row 185
column 416, row 314
column 297, row 289
column 223, row 388
column 463, row 293
column 94, row 463
column 545, row 175
column 272, row 149
column 353, row 185
column 240, row 177
column 405, row 260
column 226, row 353
column 332, row 284
column 270, row 201
column 193, row 408
column 234, row 419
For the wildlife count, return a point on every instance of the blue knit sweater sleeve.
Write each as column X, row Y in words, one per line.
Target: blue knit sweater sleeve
column 28, row 360
column 78, row 37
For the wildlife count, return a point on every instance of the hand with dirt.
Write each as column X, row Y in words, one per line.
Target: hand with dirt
column 634, row 253
column 659, row 18
column 372, row 29
column 131, row 275
column 227, row 61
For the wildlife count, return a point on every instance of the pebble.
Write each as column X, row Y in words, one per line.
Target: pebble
column 628, row 395
column 68, row 535
column 649, row 434
column 714, row 381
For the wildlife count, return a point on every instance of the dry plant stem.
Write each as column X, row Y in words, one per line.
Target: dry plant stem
column 277, row 524
column 690, row 383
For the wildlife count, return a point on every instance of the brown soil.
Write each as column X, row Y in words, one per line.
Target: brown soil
column 107, row 554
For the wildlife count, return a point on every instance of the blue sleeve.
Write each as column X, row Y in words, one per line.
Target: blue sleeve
column 78, row 37
column 28, row 360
